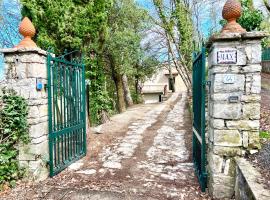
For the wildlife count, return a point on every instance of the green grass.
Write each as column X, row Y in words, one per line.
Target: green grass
column 264, row 135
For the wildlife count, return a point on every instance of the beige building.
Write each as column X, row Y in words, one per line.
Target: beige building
column 157, row 88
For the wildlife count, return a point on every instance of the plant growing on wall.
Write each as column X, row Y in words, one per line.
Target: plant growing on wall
column 13, row 129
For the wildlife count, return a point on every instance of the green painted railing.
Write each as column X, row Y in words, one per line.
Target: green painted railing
column 199, row 144
column 67, row 117
column 266, row 54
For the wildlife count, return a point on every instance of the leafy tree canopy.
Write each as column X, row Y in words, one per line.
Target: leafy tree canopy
column 127, row 23
column 251, row 18
column 67, row 24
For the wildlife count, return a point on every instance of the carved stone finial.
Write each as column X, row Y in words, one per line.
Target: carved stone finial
column 231, row 12
column 28, row 31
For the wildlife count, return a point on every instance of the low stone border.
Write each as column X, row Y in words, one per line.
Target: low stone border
column 247, row 186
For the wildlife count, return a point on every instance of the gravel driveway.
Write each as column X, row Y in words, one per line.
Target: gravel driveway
column 144, row 154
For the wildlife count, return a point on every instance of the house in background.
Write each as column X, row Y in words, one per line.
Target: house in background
column 157, row 88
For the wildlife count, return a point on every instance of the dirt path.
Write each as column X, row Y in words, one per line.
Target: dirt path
column 143, row 154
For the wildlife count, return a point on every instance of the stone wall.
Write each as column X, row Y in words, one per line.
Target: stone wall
column 234, row 106
column 22, row 67
column 247, row 186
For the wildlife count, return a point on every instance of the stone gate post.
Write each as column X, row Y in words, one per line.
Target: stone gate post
column 234, row 105
column 25, row 71
column 234, row 64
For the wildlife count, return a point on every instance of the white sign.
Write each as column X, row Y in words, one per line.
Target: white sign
column 227, row 56
column 229, row 79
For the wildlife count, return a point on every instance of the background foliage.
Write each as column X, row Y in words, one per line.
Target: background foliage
column 75, row 25
column 251, row 18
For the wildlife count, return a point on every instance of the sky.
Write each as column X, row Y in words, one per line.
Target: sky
column 10, row 18
column 260, row 5
column 145, row 3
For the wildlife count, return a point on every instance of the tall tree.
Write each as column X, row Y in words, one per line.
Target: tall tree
column 175, row 20
column 122, row 49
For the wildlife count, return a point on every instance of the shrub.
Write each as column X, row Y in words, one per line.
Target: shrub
column 13, row 129
column 264, row 135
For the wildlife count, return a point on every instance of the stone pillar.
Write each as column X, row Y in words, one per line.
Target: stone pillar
column 234, row 64
column 23, row 69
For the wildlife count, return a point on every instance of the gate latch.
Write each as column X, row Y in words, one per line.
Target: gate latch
column 207, row 83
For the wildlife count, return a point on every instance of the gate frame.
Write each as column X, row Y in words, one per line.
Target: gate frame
column 199, row 135
column 61, row 59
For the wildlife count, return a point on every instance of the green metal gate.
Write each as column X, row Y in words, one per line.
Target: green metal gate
column 67, row 123
column 199, row 144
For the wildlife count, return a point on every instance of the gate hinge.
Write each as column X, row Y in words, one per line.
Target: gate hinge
column 208, row 83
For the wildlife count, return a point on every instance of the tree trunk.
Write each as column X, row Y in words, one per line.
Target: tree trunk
column 171, row 80
column 127, row 93
column 136, row 86
column 117, row 78
column 88, row 125
column 104, row 117
column 184, row 74
column 137, row 79
column 267, row 5
column 120, row 93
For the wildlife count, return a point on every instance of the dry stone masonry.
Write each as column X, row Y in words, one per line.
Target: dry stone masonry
column 234, row 106
column 23, row 68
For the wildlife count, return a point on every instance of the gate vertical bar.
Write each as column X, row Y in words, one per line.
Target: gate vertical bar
column 49, row 85
column 199, row 143
column 203, row 153
column 83, row 108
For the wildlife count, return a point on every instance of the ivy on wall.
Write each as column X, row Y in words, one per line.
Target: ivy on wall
column 13, row 130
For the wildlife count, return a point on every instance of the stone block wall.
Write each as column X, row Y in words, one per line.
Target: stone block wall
column 22, row 68
column 234, row 107
column 247, row 186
